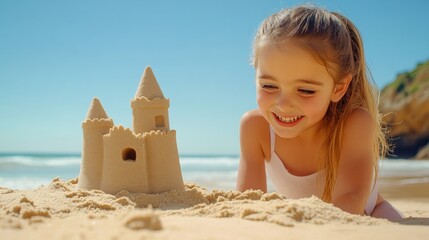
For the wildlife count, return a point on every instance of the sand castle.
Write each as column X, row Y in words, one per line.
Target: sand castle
column 145, row 160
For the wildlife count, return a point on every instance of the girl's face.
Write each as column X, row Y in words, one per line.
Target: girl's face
column 293, row 89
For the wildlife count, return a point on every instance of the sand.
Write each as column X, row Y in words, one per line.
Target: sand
column 61, row 211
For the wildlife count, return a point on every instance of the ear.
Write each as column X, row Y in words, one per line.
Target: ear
column 341, row 88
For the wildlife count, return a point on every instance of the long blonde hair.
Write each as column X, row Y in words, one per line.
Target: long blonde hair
column 335, row 42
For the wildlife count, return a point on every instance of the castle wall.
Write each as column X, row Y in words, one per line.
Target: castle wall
column 163, row 167
column 124, row 162
column 92, row 152
column 145, row 113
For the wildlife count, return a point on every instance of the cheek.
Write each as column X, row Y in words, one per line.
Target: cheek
column 316, row 106
column 262, row 98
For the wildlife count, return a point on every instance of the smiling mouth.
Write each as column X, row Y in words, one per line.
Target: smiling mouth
column 289, row 120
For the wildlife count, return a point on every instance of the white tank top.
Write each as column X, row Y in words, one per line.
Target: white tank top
column 295, row 187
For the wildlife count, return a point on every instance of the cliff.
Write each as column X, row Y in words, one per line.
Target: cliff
column 405, row 102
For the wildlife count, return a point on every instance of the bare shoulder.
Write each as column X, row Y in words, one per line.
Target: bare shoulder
column 253, row 119
column 360, row 114
column 254, row 132
column 359, row 126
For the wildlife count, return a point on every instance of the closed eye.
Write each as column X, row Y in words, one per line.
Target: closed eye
column 268, row 86
column 306, row 92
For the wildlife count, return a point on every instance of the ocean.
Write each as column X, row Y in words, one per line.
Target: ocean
column 29, row 171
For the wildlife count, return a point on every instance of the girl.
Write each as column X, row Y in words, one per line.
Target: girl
column 317, row 129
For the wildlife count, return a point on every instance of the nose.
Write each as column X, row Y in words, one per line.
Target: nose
column 284, row 101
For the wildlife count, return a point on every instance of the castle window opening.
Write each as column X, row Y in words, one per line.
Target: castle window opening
column 129, row 154
column 159, row 121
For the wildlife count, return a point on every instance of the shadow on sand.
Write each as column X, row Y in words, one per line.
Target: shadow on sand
column 413, row 221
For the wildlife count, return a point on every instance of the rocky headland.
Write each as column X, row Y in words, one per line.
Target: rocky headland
column 405, row 104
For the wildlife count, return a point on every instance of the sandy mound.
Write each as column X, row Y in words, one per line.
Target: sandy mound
column 60, row 211
column 60, row 199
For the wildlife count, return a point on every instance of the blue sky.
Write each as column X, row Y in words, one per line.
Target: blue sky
column 56, row 55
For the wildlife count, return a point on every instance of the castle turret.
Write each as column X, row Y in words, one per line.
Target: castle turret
column 96, row 124
column 163, row 168
column 150, row 107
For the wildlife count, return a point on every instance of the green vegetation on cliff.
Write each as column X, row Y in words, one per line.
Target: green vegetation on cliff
column 411, row 82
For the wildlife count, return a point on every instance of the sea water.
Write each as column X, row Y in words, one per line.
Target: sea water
column 31, row 170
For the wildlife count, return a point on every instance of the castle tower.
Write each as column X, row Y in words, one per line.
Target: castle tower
column 125, row 163
column 96, row 124
column 150, row 118
column 163, row 166
column 150, row 107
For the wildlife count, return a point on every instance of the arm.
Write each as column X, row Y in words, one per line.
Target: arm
column 251, row 170
column 384, row 209
column 356, row 167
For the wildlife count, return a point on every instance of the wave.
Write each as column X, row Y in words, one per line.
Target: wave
column 404, row 163
column 403, row 168
column 209, row 161
column 23, row 183
column 208, row 165
column 69, row 161
column 29, row 161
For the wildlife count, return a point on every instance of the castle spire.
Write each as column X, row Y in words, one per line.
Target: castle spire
column 96, row 110
column 149, row 87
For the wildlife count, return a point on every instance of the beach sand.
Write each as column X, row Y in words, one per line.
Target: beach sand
column 60, row 211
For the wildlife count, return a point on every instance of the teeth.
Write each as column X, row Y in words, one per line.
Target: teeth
column 289, row 119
